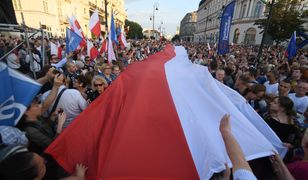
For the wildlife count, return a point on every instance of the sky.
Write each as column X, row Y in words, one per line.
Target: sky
column 171, row 12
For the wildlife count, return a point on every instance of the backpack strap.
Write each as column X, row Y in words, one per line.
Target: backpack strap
column 56, row 102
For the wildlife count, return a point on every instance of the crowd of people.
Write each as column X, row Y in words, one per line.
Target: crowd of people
column 273, row 85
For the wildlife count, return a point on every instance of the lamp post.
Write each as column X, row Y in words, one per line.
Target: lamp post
column 155, row 8
column 271, row 4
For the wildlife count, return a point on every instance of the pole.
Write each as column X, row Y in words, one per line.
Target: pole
column 153, row 18
column 265, row 31
column 106, row 16
column 43, row 47
column 28, row 45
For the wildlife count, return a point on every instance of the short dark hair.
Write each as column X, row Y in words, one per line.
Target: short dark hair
column 82, row 79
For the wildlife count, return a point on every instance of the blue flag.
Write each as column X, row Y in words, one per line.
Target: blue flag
column 291, row 50
column 113, row 31
column 225, row 26
column 73, row 40
column 16, row 94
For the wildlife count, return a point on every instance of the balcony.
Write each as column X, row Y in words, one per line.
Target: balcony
column 247, row 19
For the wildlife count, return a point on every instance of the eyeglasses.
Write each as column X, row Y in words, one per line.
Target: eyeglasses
column 95, row 85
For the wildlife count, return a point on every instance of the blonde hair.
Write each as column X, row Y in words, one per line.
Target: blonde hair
column 99, row 78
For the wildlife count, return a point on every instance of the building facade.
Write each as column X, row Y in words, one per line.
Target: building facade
column 243, row 30
column 53, row 14
column 188, row 27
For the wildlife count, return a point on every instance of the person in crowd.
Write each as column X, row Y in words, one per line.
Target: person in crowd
column 17, row 163
column 272, row 83
column 241, row 83
column 284, row 87
column 220, row 75
column 81, row 83
column 300, row 98
column 13, row 60
column 295, row 76
column 36, row 66
column 254, row 95
column 71, row 72
column 115, row 71
column 107, row 69
column 38, row 130
column 98, row 86
column 281, row 119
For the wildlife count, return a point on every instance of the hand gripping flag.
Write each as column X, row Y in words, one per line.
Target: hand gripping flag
column 291, row 50
column 16, row 94
column 94, row 24
column 91, row 50
column 160, row 120
column 224, row 30
column 73, row 41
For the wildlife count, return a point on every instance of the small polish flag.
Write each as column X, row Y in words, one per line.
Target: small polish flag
column 91, row 50
column 94, row 24
column 122, row 40
column 104, row 47
column 56, row 49
column 76, row 28
column 111, row 55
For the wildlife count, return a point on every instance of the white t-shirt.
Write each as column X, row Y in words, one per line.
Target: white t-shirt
column 271, row 88
column 71, row 102
column 12, row 61
column 300, row 103
column 36, row 62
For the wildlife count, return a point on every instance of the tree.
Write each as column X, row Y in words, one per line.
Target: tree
column 286, row 18
column 175, row 38
column 134, row 30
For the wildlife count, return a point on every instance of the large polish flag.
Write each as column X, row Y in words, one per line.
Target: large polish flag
column 94, row 24
column 160, row 120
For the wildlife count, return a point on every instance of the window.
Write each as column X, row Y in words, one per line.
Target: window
column 45, row 6
column 243, row 10
column 258, row 8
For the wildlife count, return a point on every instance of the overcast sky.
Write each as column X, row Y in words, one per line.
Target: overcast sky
column 170, row 12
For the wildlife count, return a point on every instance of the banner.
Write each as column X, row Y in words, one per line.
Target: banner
column 16, row 94
column 225, row 26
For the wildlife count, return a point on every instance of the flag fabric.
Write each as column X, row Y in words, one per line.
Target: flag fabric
column 14, row 100
column 91, row 50
column 73, row 41
column 160, row 119
column 224, row 30
column 122, row 39
column 94, row 24
column 113, row 31
column 291, row 50
column 60, row 64
column 104, row 47
column 56, row 49
column 75, row 27
column 111, row 54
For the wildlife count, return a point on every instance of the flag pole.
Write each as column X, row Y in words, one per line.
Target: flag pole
column 43, row 46
column 28, row 45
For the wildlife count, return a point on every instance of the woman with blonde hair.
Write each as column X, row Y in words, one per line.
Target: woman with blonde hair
column 98, row 86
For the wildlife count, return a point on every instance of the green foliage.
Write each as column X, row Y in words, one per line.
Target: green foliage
column 175, row 38
column 286, row 18
column 134, row 30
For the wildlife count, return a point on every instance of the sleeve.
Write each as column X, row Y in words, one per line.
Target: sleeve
column 243, row 174
column 82, row 103
column 35, row 136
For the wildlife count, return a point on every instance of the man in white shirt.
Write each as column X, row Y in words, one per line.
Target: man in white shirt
column 299, row 98
column 71, row 101
column 272, row 83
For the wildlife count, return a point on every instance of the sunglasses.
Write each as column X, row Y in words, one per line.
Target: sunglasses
column 95, row 85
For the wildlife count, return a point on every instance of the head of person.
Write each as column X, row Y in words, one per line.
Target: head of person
column 33, row 111
column 107, row 69
column 256, row 92
column 284, row 87
column 301, row 89
column 71, row 67
column 283, row 104
column 87, row 59
column 22, row 165
column 99, row 84
column 54, row 59
column 116, row 70
column 272, row 75
column 220, row 75
column 241, row 83
column 80, row 82
column 296, row 73
column 303, row 60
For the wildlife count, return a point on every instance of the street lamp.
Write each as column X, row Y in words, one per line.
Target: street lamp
column 271, row 4
column 152, row 18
